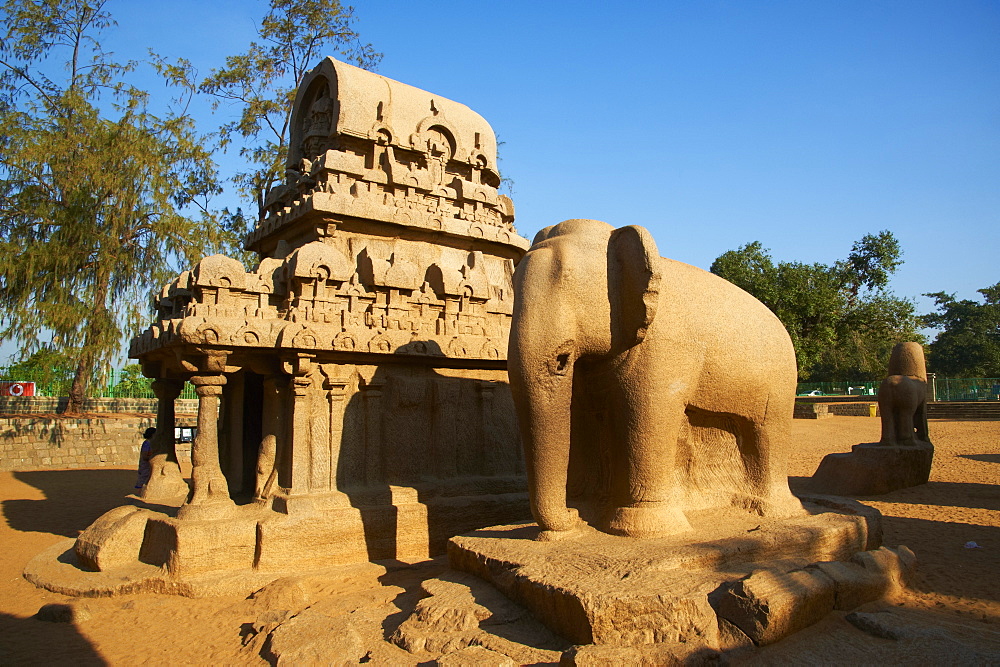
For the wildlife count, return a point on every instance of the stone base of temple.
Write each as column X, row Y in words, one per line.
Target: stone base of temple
column 731, row 583
column 872, row 468
column 133, row 549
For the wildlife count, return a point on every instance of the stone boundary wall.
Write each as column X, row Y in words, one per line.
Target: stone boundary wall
column 854, row 409
column 52, row 404
column 818, row 410
column 35, row 443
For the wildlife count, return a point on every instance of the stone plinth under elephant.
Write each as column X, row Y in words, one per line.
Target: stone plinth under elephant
column 723, row 583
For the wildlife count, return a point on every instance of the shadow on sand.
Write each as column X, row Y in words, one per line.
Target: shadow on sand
column 29, row 641
column 74, row 499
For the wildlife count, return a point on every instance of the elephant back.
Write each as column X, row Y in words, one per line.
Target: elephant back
column 908, row 359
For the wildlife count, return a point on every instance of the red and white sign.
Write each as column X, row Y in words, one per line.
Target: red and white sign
column 17, row 388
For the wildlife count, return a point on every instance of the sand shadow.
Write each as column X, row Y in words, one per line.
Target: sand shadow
column 987, row 458
column 941, row 494
column 30, row 641
column 945, row 564
column 947, row 494
column 73, row 499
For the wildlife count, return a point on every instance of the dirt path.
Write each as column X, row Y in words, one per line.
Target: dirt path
column 957, row 588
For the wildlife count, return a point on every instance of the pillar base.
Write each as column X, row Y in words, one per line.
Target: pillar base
column 260, row 542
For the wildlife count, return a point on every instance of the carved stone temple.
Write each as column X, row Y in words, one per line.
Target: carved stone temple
column 353, row 397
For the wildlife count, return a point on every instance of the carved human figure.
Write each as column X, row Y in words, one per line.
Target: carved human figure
column 597, row 311
column 902, row 397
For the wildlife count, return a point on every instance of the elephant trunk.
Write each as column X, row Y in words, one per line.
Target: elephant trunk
column 543, row 402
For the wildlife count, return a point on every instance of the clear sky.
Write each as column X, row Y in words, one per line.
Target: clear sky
column 713, row 123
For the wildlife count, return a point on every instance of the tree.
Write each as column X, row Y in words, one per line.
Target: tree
column 969, row 343
column 842, row 320
column 51, row 370
column 132, row 383
column 262, row 83
column 100, row 198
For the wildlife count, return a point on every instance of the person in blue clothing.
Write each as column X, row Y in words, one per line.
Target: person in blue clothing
column 145, row 453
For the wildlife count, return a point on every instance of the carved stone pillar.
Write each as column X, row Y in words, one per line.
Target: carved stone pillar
column 301, row 435
column 209, row 493
column 337, row 398
column 275, row 405
column 166, row 480
column 372, row 397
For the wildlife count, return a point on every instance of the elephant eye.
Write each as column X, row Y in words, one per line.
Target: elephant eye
column 561, row 363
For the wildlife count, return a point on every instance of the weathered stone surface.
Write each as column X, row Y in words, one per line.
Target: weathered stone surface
column 873, row 468
column 841, row 505
column 187, row 548
column 475, row 655
column 681, row 401
column 903, row 455
column 594, row 588
column 313, row 638
column 854, row 585
column 352, row 389
column 63, row 613
column 896, row 565
column 288, row 593
column 462, row 611
column 114, row 539
column 769, row 606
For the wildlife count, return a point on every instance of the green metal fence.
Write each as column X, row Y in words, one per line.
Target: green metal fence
column 966, row 389
column 837, row 389
column 943, row 389
column 120, row 383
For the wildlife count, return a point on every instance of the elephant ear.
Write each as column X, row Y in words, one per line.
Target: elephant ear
column 633, row 283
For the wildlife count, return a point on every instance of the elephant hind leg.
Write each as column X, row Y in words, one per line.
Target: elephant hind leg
column 763, row 450
column 920, row 425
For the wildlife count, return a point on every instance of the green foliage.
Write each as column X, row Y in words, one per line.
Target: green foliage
column 51, row 370
column 100, row 197
column 132, row 383
column 261, row 83
column 842, row 321
column 969, row 343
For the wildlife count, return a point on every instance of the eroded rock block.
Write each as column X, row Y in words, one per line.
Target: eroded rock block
column 769, row 606
column 314, row 638
column 113, row 540
column 461, row 612
column 63, row 613
column 896, row 565
column 873, row 468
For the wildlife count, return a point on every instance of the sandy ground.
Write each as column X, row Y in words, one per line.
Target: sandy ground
column 955, row 601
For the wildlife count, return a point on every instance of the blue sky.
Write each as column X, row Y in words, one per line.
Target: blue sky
column 713, row 123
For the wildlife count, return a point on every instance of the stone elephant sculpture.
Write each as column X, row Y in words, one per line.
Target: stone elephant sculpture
column 599, row 315
column 902, row 397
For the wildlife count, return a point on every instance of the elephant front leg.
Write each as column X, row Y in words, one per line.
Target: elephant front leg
column 653, row 507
